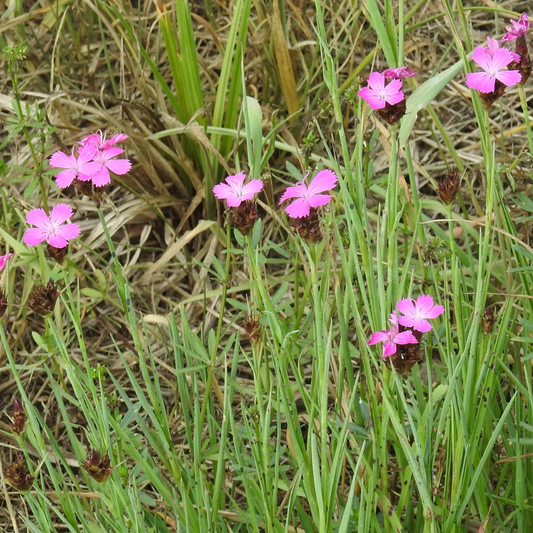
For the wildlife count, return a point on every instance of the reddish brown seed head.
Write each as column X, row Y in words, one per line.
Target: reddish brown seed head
column 244, row 216
column 252, row 328
column 18, row 417
column 18, row 475
column 449, row 185
column 97, row 465
column 43, row 299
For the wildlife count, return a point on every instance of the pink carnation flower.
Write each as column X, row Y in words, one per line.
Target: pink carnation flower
column 3, row 260
column 309, row 196
column 378, row 95
column 417, row 313
column 391, row 337
column 51, row 229
column 74, row 166
column 517, row 30
column 98, row 140
column 492, row 60
column 399, row 73
column 104, row 160
column 235, row 192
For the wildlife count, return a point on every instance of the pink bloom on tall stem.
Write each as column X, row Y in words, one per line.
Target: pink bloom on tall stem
column 51, row 229
column 417, row 313
column 74, row 166
column 492, row 60
column 517, row 29
column 234, row 191
column 105, row 163
column 378, row 95
column 3, row 260
column 399, row 73
column 391, row 337
column 309, row 196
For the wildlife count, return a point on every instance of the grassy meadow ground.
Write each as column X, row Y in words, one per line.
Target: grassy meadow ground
column 228, row 377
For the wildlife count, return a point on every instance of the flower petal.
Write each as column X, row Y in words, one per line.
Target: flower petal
column 296, row 191
column 372, row 98
column 376, row 81
column 481, row 57
column 101, row 178
column 90, row 168
column 509, row 77
column 60, row 213
column 223, row 191
column 35, row 236
column 324, row 181
column 62, row 160
column 86, row 154
column 65, row 178
column 37, row 217
column 119, row 166
column 405, row 337
column 236, row 181
column 68, row 231
column 480, row 81
column 298, row 209
column 406, row 306
column 389, row 348
column 378, row 336
column 319, row 199
column 251, row 188
column 57, row 241
column 3, row 260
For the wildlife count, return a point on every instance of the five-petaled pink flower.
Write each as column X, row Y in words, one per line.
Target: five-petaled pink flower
column 378, row 95
column 492, row 60
column 51, row 229
column 417, row 313
column 399, row 73
column 105, row 163
column 236, row 192
column 517, row 30
column 309, row 196
column 3, row 260
column 74, row 166
column 391, row 337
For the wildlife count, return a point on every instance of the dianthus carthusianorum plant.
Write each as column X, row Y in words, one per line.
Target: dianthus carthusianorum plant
column 266, row 267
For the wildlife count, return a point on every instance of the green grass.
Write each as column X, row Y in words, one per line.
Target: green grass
column 145, row 357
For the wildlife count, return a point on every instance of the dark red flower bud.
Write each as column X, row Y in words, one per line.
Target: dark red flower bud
column 43, row 299
column 18, row 417
column 488, row 321
column 18, row 475
column 244, row 216
column 3, row 304
column 97, row 465
column 58, row 254
column 449, row 185
column 308, row 227
column 252, row 327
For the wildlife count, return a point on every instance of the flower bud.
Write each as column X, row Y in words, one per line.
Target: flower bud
column 97, row 465
column 18, row 475
column 252, row 328
column 448, row 185
column 18, row 417
column 43, row 299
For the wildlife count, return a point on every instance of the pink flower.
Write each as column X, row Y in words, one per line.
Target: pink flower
column 98, row 140
column 391, row 337
column 74, row 166
column 235, row 192
column 417, row 312
column 105, row 163
column 399, row 73
column 3, row 260
column 309, row 196
column 377, row 94
column 51, row 229
column 492, row 60
column 518, row 29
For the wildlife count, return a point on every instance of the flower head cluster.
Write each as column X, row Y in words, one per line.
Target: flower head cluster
column 493, row 60
column 413, row 321
column 95, row 158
